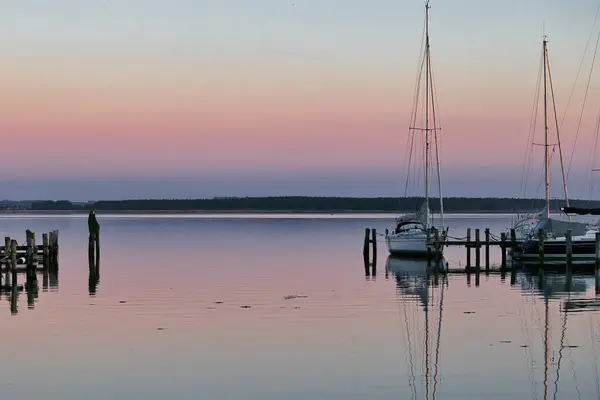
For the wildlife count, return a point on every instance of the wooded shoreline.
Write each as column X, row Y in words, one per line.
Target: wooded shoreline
column 297, row 204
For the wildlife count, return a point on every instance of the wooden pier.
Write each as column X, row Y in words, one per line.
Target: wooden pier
column 28, row 258
column 542, row 263
column 507, row 244
column 20, row 257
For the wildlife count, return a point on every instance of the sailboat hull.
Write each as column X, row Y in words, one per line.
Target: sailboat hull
column 412, row 244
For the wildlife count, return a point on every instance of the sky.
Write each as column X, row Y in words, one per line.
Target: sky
column 112, row 99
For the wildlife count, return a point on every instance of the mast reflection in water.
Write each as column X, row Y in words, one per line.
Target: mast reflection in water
column 416, row 282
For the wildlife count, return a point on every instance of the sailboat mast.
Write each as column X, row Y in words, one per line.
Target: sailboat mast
column 427, row 140
column 546, row 153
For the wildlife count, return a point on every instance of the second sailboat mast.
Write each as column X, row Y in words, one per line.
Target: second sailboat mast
column 427, row 140
column 546, row 153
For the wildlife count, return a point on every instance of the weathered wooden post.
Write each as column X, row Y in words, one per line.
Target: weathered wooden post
column 366, row 245
column 513, row 275
column 45, row 250
column 6, row 259
column 477, row 250
column 513, row 239
column 54, row 249
column 468, row 248
column 30, row 250
column 7, row 250
column 569, row 258
column 597, row 263
column 13, row 261
column 374, row 243
column 13, row 298
column 503, row 250
column 541, row 239
column 487, row 250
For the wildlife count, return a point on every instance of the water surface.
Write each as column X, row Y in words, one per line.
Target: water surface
column 278, row 306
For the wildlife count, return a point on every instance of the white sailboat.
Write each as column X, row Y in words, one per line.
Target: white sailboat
column 525, row 223
column 555, row 229
column 413, row 234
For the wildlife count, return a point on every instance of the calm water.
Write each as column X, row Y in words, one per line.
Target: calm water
column 167, row 319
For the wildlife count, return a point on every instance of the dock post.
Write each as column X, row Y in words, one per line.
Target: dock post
column 55, row 260
column 45, row 250
column 597, row 263
column 468, row 248
column 503, row 250
column 53, row 247
column 541, row 238
column 91, row 247
column 374, row 243
column 29, row 251
column 13, row 261
column 487, row 250
column 7, row 251
column 569, row 258
column 35, row 252
column 477, row 257
column 513, row 239
column 366, row 246
column 477, row 250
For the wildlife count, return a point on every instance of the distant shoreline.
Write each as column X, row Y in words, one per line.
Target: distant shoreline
column 291, row 204
column 205, row 212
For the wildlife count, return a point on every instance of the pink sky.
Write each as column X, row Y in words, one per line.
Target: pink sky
column 274, row 88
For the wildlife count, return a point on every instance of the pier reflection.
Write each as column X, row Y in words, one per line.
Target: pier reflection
column 12, row 288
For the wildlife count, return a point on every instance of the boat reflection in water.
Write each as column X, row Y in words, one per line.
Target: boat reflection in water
column 553, row 285
column 416, row 283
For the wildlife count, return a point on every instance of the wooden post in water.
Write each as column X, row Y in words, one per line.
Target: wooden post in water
column 487, row 250
column 53, row 250
column 597, row 263
column 513, row 239
column 477, row 250
column 30, row 249
column 45, row 250
column 366, row 247
column 477, row 257
column 6, row 258
column 468, row 248
column 35, row 252
column 503, row 250
column 13, row 261
column 541, row 238
column 374, row 243
column 569, row 258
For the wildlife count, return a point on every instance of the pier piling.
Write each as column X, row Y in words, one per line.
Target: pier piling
column 597, row 263
column 477, row 250
column 569, row 258
column 370, row 244
column 45, row 253
column 468, row 246
column 487, row 250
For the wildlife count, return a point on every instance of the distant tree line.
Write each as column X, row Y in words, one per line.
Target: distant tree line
column 318, row 204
